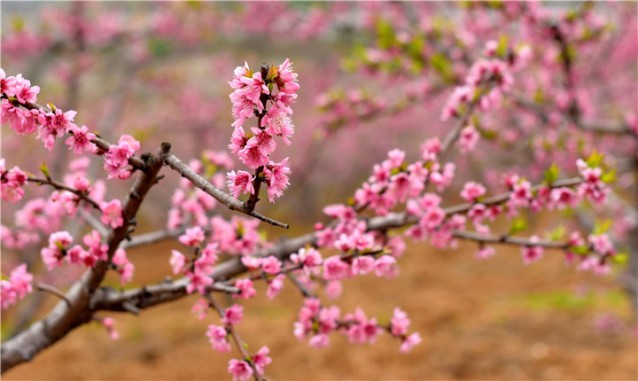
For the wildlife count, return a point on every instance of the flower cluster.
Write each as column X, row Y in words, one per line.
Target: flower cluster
column 315, row 322
column 486, row 81
column 54, row 123
column 16, row 287
column 347, row 108
column 242, row 370
column 253, row 93
column 116, row 158
column 60, row 249
column 191, row 204
column 199, row 268
column 19, row 110
column 11, row 182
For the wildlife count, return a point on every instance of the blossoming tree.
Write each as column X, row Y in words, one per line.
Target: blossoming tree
column 404, row 197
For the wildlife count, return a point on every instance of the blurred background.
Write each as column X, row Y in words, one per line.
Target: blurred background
column 374, row 76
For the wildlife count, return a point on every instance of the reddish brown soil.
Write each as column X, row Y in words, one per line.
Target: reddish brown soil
column 480, row 320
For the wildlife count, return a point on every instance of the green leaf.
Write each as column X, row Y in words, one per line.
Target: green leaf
column 601, row 227
column 595, row 159
column 385, row 34
column 580, row 250
column 620, row 258
column 18, row 23
column 552, row 174
column 45, row 170
column 609, row 177
column 518, row 225
column 558, row 233
column 441, row 65
column 539, row 96
column 501, row 49
column 159, row 47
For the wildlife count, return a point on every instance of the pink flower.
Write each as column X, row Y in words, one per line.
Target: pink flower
column 361, row 329
column 601, row 244
column 252, row 156
column 485, row 252
column 271, row 265
column 124, row 267
column 334, row 268
column 261, row 359
column 77, row 255
column 333, row 289
column 307, row 257
column 363, row 264
column 472, row 191
column 399, row 323
column 386, row 266
column 109, row 324
column 11, row 187
column 240, row 182
column 21, row 280
column 233, row 314
column 200, row 309
column 53, row 255
column 80, row 140
column 30, row 121
column 410, row 342
column 263, row 141
column 563, row 197
column 112, row 213
column 246, row 288
column 97, row 249
column 288, row 77
column 54, row 124
column 430, row 149
column 275, row 286
column 238, row 140
column 240, row 370
column 6, row 83
column 217, row 336
column 278, row 123
column 197, row 281
column 532, row 253
column 177, row 261
column 460, row 96
column 521, row 193
column 23, row 91
column 319, row 341
column 116, row 159
column 432, row 218
column 468, row 139
column 594, row 264
column 193, row 237
column 13, row 116
column 277, row 176
column 17, row 287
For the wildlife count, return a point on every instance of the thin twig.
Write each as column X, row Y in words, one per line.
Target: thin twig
column 53, row 291
column 59, row 186
column 231, row 203
column 239, row 343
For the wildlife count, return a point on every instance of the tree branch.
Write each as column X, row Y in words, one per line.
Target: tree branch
column 231, row 203
column 59, row 186
column 233, row 267
column 66, row 317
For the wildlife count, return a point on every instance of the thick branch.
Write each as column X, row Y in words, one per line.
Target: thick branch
column 233, row 267
column 66, row 317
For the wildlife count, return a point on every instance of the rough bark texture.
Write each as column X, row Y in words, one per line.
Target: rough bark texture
column 65, row 317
